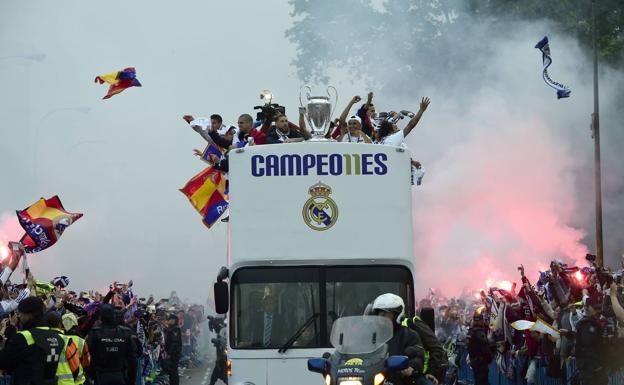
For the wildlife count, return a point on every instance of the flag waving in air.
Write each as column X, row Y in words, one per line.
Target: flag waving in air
column 212, row 149
column 119, row 81
column 207, row 193
column 44, row 223
column 562, row 91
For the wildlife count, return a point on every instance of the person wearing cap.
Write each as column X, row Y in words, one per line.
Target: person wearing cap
column 173, row 349
column 479, row 349
column 590, row 348
column 70, row 325
column 354, row 133
column 404, row 340
column 33, row 354
column 351, row 129
column 113, row 354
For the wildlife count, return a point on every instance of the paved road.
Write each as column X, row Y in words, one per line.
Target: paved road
column 198, row 376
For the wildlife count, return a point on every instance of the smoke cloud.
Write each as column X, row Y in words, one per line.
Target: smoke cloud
column 510, row 173
column 509, row 167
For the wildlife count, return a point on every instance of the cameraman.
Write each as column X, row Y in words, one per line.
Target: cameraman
column 615, row 303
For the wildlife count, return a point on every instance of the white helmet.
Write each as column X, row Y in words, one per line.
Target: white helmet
column 390, row 302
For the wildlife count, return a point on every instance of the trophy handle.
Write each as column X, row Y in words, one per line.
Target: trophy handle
column 335, row 99
column 307, row 94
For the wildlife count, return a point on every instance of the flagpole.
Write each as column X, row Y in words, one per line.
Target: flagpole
column 596, row 136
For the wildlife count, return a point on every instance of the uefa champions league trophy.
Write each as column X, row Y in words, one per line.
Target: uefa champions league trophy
column 319, row 111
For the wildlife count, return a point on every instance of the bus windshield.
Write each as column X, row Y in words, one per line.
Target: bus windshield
column 271, row 305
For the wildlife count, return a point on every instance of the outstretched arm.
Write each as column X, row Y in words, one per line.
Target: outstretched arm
column 615, row 303
column 302, row 125
column 424, row 103
column 345, row 113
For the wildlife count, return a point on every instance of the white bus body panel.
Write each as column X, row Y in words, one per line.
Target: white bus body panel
column 374, row 219
column 267, row 227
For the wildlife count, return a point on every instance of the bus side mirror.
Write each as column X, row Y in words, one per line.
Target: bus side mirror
column 222, row 297
column 317, row 365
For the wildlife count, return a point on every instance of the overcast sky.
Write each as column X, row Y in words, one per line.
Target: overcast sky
column 509, row 166
column 121, row 161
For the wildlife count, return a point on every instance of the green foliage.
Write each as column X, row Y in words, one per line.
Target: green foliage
column 571, row 16
column 370, row 40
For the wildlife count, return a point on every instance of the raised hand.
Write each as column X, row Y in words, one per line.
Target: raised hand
column 424, row 103
column 355, row 99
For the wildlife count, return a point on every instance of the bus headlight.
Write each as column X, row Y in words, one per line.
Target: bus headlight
column 350, row 381
column 379, row 378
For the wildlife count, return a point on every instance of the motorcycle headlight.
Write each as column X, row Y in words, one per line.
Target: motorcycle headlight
column 350, row 381
column 327, row 379
column 379, row 378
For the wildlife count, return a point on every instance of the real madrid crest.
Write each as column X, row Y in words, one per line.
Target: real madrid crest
column 320, row 212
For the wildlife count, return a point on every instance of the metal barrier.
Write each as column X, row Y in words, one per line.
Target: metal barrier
column 496, row 377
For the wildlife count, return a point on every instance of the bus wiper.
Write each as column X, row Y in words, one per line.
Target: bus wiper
column 298, row 333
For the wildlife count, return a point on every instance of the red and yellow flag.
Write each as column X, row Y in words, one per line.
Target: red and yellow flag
column 44, row 223
column 119, row 81
column 207, row 192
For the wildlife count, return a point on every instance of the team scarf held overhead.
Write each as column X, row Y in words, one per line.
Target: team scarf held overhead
column 562, row 91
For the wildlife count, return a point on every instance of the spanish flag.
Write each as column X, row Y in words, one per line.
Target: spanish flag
column 207, row 192
column 119, row 81
column 44, row 223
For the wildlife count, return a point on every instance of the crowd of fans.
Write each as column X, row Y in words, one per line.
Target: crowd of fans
column 575, row 327
column 272, row 126
column 110, row 337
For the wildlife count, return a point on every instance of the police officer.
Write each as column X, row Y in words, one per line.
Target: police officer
column 436, row 361
column 404, row 341
column 113, row 354
column 590, row 349
column 479, row 350
column 173, row 348
column 32, row 356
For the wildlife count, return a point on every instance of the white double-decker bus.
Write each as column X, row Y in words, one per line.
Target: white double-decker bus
column 317, row 230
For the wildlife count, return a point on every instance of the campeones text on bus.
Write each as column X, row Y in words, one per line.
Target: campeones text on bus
column 319, row 164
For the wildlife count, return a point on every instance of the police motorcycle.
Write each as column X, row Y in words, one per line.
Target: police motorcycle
column 361, row 355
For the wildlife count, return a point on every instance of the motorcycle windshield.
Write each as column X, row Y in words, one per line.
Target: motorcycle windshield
column 360, row 334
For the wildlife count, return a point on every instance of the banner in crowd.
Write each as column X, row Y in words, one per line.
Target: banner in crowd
column 539, row 326
column 212, row 149
column 207, row 192
column 44, row 223
column 119, row 81
column 562, row 91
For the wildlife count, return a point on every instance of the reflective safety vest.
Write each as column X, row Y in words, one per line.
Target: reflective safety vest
column 407, row 325
column 70, row 370
column 64, row 375
column 53, row 345
column 80, row 343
